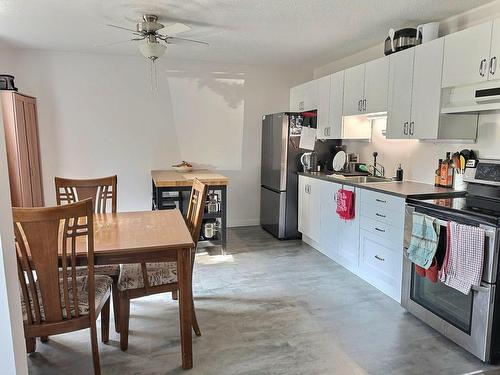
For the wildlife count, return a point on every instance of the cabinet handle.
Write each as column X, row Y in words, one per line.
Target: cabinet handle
column 325, row 131
column 380, row 200
column 380, row 230
column 359, row 105
column 405, row 128
column 412, row 127
column 379, row 258
column 301, row 105
column 493, row 65
column 380, row 215
column 482, row 67
column 328, row 131
column 364, row 104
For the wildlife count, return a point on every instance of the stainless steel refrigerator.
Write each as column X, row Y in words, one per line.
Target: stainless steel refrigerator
column 279, row 179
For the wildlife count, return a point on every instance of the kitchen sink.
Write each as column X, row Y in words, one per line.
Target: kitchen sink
column 361, row 179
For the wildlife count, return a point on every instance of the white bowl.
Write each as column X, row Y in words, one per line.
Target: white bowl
column 183, row 169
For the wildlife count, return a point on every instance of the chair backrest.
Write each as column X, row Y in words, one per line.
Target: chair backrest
column 99, row 189
column 196, row 208
column 45, row 236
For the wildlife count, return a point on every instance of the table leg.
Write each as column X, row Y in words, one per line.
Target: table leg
column 185, row 305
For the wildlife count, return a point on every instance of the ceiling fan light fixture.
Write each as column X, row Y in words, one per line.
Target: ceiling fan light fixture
column 152, row 50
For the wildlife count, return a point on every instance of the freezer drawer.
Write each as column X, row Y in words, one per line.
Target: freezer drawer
column 273, row 211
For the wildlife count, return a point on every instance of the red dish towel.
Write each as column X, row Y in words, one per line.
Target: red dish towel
column 463, row 264
column 345, row 204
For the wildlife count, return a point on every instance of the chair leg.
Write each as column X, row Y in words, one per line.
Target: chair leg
column 116, row 306
column 196, row 327
column 30, row 344
column 124, row 319
column 95, row 348
column 175, row 295
column 44, row 338
column 105, row 322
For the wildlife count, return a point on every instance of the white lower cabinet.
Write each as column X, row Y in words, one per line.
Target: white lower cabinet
column 370, row 245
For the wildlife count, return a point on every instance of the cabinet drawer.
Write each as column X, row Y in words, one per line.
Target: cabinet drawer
column 391, row 235
column 379, row 263
column 383, row 214
column 382, row 200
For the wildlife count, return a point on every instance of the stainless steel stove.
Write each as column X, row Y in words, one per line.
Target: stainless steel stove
column 473, row 320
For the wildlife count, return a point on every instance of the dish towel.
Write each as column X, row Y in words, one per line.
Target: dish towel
column 424, row 240
column 463, row 263
column 345, row 204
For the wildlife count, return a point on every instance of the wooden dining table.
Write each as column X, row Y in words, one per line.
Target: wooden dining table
column 150, row 236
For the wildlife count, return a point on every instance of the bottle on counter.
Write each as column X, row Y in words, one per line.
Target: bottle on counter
column 444, row 170
column 399, row 173
column 437, row 176
column 451, row 175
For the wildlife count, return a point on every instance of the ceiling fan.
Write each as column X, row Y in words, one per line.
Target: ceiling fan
column 153, row 44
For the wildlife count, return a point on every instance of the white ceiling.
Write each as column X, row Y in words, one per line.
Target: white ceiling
column 239, row 31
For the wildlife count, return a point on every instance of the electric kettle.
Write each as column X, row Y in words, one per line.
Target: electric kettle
column 309, row 161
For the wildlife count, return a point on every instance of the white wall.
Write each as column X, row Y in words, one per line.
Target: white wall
column 419, row 159
column 12, row 348
column 98, row 116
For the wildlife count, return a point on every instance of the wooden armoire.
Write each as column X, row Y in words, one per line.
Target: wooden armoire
column 23, row 151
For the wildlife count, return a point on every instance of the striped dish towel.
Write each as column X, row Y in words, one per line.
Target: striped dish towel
column 463, row 263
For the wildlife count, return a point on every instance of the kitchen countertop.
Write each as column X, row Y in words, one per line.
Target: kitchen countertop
column 171, row 178
column 403, row 189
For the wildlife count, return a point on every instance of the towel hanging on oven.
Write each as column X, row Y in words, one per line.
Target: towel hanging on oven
column 424, row 240
column 463, row 263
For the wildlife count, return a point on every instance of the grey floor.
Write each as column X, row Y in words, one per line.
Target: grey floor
column 268, row 307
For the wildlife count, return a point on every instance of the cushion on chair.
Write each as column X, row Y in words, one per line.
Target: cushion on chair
column 159, row 273
column 102, row 284
column 105, row 269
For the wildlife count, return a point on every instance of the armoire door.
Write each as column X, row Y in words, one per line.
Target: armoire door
column 30, row 115
column 25, row 198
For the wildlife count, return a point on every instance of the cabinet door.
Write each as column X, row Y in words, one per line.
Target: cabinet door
column 33, row 151
column 381, row 264
column 323, row 125
column 329, row 221
column 426, row 93
column 376, row 85
column 336, row 98
column 303, row 206
column 23, row 152
column 493, row 71
column 310, row 95
column 314, row 214
column 354, row 85
column 349, row 238
column 463, row 53
column 400, row 89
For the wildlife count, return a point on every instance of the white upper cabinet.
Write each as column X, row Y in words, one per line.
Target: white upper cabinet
column 323, row 125
column 376, row 86
column 304, row 97
column 336, row 105
column 467, row 55
column 400, row 91
column 330, row 95
column 354, row 87
column 426, row 92
column 494, row 52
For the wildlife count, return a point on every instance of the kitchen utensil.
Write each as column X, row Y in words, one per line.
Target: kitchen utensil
column 402, row 39
column 339, row 161
column 7, row 82
column 456, row 161
column 307, row 160
column 463, row 161
column 427, row 31
column 213, row 204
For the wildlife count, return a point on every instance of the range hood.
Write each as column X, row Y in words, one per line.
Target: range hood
column 481, row 97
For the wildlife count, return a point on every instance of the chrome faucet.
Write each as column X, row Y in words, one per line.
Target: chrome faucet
column 378, row 169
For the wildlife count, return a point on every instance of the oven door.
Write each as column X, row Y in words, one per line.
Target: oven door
column 465, row 319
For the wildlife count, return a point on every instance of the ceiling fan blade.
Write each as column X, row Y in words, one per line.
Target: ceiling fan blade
column 124, row 28
column 114, row 43
column 174, row 39
column 176, row 28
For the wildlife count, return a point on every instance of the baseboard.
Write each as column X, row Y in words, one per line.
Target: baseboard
column 243, row 223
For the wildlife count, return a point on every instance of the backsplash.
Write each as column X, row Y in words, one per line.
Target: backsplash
column 419, row 158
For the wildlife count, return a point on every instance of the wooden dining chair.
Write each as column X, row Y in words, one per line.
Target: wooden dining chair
column 55, row 302
column 102, row 191
column 139, row 280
